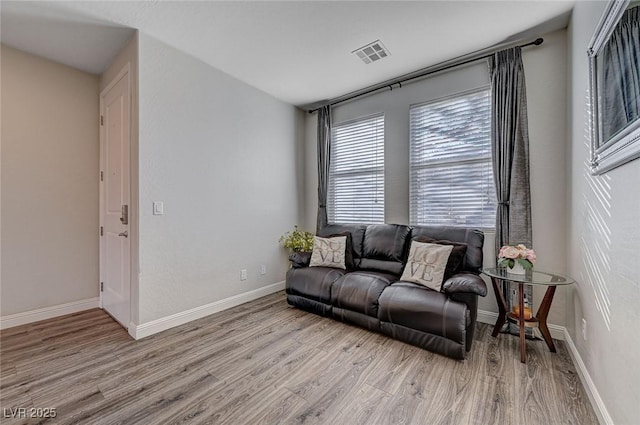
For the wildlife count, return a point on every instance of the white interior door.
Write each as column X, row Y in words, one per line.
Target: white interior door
column 115, row 198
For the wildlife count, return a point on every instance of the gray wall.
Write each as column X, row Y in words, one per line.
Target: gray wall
column 545, row 68
column 604, row 237
column 50, row 155
column 221, row 156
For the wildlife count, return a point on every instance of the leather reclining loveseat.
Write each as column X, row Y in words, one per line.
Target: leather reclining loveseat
column 372, row 295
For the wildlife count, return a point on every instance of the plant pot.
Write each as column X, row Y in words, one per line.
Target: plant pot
column 300, row 259
column 517, row 268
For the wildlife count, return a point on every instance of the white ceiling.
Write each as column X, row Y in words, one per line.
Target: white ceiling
column 297, row 51
column 65, row 36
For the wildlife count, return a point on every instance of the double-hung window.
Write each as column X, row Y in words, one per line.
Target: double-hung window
column 451, row 177
column 356, row 172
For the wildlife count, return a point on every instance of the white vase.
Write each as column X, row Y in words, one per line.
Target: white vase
column 517, row 268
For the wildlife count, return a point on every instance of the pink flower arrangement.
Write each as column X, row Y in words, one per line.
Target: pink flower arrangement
column 508, row 256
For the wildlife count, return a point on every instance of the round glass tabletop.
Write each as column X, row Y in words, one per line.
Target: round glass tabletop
column 531, row 277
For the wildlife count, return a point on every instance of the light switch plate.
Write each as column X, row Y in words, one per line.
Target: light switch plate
column 158, row 208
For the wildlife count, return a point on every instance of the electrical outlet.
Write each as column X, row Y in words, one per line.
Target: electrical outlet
column 263, row 269
column 243, row 274
column 584, row 328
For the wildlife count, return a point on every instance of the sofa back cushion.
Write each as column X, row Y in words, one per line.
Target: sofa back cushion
column 357, row 237
column 384, row 247
column 472, row 237
column 456, row 257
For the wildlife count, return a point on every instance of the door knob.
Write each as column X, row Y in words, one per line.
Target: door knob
column 125, row 234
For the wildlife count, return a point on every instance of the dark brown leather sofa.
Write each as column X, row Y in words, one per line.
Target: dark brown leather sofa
column 371, row 295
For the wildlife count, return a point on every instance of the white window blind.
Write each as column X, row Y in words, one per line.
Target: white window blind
column 450, row 167
column 356, row 173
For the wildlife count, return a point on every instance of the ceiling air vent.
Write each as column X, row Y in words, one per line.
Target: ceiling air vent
column 372, row 52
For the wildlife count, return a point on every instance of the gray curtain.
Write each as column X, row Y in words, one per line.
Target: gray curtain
column 510, row 145
column 621, row 75
column 324, row 161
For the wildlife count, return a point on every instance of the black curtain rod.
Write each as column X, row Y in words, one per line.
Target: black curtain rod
column 471, row 57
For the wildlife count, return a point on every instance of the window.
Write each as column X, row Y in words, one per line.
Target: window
column 356, row 173
column 451, row 177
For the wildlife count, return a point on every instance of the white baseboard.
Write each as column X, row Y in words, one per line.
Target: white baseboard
column 594, row 396
column 162, row 324
column 47, row 313
column 489, row 317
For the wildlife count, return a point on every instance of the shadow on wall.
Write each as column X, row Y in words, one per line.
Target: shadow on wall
column 596, row 240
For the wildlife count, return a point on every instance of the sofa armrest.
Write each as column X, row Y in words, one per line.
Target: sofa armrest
column 465, row 282
column 300, row 259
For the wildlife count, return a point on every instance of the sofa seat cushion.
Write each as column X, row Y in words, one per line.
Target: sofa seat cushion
column 313, row 282
column 359, row 291
column 416, row 307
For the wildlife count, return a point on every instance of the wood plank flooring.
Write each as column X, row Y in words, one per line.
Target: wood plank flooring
column 265, row 362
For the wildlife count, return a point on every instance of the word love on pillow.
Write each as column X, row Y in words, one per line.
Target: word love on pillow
column 426, row 264
column 329, row 252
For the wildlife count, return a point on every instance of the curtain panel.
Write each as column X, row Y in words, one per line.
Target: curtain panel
column 324, row 163
column 510, row 148
column 621, row 82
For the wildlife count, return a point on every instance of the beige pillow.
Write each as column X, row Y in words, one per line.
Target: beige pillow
column 329, row 252
column 426, row 264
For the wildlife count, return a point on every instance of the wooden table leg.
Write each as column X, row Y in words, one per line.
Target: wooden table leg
column 543, row 312
column 502, row 307
column 523, row 343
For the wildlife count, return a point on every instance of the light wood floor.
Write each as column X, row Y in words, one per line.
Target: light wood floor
column 267, row 363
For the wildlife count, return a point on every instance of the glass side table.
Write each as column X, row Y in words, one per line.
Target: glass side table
column 531, row 277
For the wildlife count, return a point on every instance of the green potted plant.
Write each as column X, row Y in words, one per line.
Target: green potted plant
column 297, row 240
column 300, row 244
